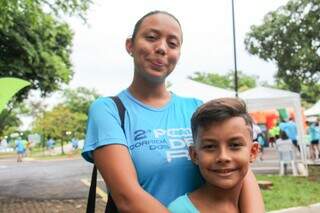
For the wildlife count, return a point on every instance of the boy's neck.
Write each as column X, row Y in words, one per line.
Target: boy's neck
column 209, row 197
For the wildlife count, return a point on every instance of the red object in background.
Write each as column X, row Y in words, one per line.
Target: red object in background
column 271, row 119
column 268, row 117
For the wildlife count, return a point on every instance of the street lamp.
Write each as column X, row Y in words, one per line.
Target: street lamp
column 234, row 52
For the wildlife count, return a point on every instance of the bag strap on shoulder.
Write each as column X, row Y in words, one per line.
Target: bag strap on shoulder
column 92, row 191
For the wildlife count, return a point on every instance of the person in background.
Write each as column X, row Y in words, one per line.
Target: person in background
column 223, row 150
column 50, row 145
column 290, row 128
column 74, row 143
column 20, row 149
column 146, row 165
column 314, row 132
column 274, row 134
column 258, row 137
column 286, row 152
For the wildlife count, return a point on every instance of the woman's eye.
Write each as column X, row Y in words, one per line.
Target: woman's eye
column 151, row 37
column 173, row 44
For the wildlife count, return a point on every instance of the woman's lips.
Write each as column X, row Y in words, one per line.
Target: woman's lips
column 158, row 63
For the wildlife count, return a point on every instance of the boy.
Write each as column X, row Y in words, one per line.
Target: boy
column 223, row 149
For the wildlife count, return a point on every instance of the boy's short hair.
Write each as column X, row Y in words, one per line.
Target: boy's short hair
column 219, row 110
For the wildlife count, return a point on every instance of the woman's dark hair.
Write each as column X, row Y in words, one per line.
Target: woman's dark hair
column 283, row 135
column 139, row 22
column 219, row 110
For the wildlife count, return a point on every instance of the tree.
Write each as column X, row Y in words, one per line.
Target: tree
column 58, row 122
column 79, row 99
column 226, row 81
column 29, row 8
column 35, row 45
column 70, row 116
column 9, row 119
column 290, row 37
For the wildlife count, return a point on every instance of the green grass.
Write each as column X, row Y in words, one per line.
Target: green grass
column 289, row 191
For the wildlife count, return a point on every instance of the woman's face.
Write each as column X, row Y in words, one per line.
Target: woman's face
column 156, row 47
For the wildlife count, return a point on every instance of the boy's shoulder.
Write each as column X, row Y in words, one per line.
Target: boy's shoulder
column 182, row 205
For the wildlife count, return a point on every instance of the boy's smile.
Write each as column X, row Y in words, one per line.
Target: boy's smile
column 223, row 152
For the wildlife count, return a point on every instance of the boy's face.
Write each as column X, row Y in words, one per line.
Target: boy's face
column 223, row 152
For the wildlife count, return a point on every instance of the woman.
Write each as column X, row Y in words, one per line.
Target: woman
column 147, row 165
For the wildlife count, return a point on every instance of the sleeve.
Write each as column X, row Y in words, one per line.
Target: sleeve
column 103, row 127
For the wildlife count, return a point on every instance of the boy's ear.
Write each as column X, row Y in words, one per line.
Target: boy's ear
column 193, row 154
column 254, row 151
column 129, row 46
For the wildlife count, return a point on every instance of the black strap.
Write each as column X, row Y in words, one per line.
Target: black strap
column 110, row 207
column 92, row 191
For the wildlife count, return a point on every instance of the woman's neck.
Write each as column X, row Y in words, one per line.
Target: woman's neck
column 209, row 197
column 152, row 94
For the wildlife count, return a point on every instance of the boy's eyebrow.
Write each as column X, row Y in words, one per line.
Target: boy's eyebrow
column 209, row 140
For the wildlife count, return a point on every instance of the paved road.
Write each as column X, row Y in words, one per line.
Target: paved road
column 54, row 179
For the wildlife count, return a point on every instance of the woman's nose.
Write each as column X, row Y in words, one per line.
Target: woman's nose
column 161, row 47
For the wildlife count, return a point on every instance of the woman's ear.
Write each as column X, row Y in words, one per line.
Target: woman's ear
column 129, row 46
column 193, row 154
column 254, row 151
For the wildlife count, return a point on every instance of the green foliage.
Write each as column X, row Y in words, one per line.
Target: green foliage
column 38, row 52
column 79, row 99
column 310, row 94
column 291, row 191
column 30, row 8
column 226, row 81
column 36, row 45
column 9, row 120
column 290, row 36
column 58, row 121
column 71, row 115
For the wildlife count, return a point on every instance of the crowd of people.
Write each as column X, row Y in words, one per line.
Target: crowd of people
column 272, row 137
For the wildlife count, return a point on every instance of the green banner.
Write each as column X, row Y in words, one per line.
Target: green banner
column 9, row 87
column 283, row 113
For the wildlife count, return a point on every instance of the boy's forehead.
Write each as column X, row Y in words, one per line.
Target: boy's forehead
column 225, row 128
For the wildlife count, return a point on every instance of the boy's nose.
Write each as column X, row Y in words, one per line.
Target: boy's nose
column 223, row 156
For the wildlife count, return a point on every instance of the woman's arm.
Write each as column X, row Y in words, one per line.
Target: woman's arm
column 251, row 200
column 117, row 169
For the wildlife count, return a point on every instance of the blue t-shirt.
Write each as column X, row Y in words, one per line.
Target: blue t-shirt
column 290, row 128
column 19, row 146
column 182, row 205
column 314, row 132
column 157, row 140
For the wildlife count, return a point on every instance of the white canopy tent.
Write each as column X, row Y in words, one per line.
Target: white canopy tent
column 261, row 98
column 204, row 92
column 314, row 110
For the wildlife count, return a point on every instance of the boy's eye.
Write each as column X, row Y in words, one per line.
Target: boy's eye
column 209, row 146
column 235, row 145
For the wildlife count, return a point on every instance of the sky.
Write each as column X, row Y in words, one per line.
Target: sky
column 100, row 60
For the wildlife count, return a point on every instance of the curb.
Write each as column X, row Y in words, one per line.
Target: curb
column 311, row 208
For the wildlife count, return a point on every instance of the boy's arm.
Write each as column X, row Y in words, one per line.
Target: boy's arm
column 251, row 200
